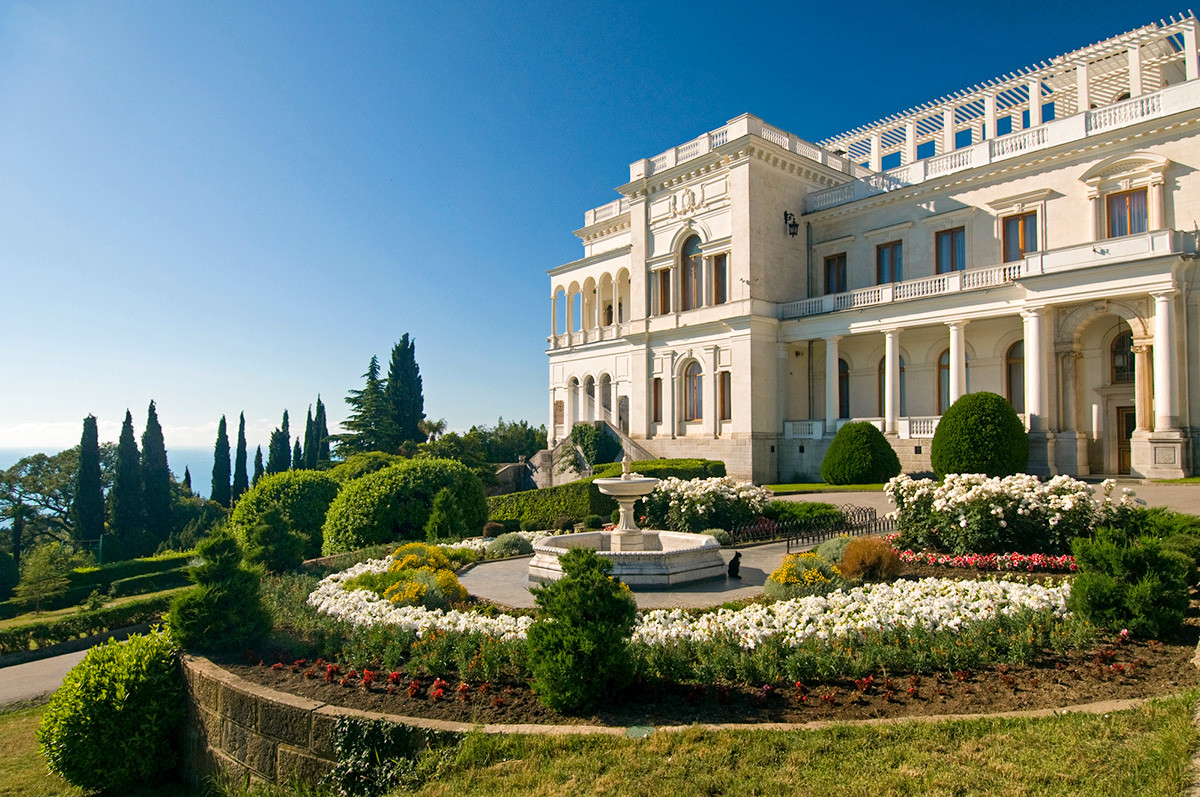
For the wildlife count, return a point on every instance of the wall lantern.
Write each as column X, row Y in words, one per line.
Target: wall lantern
column 789, row 221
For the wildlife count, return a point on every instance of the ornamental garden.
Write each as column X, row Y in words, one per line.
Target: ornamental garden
column 992, row 590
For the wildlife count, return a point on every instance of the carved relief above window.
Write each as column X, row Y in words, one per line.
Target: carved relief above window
column 1127, row 194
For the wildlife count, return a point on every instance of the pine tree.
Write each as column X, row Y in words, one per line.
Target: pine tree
column 88, row 506
column 321, row 433
column 297, row 456
column 156, row 479
column 258, row 465
column 220, row 471
column 187, row 481
column 405, row 403
column 126, row 503
column 310, row 442
column 369, row 425
column 241, row 482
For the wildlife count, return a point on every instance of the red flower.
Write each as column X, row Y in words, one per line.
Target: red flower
column 368, row 678
column 330, row 671
column 414, row 688
column 393, row 678
column 277, row 666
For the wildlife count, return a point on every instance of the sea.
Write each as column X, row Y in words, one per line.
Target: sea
column 198, row 462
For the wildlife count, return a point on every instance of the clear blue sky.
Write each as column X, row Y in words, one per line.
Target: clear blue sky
column 231, row 206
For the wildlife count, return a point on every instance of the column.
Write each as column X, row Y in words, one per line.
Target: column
column 948, row 129
column 1154, row 204
column 1191, row 65
column 552, row 427
column 876, row 153
column 1082, row 93
column 1096, row 215
column 1068, row 359
column 1166, row 405
column 1136, row 88
column 910, row 141
column 553, row 319
column 1035, row 102
column 569, row 408
column 1035, row 372
column 989, row 116
column 958, row 360
column 670, row 395
column 710, row 400
column 891, row 381
column 1143, row 398
column 832, row 397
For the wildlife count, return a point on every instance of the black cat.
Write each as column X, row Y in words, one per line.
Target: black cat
column 735, row 565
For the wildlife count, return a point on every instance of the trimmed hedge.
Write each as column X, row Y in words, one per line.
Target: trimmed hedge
column 542, row 508
column 150, row 582
column 980, row 433
column 685, row 469
column 394, row 504
column 304, row 497
column 64, row 629
column 859, row 454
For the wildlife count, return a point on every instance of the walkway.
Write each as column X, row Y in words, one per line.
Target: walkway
column 28, row 681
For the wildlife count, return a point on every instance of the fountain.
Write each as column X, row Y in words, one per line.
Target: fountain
column 640, row 558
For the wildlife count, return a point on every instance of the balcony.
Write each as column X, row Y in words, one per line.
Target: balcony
column 1112, row 250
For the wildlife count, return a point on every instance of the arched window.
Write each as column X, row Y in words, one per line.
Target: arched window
column 692, row 393
column 843, row 389
column 944, row 381
column 882, row 385
column 690, row 270
column 1122, row 358
column 1014, row 369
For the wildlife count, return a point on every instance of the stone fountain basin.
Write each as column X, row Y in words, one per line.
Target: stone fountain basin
column 667, row 558
column 635, row 485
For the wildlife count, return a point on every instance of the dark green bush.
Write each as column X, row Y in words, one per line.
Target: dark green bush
column 579, row 643
column 564, row 523
column 540, row 508
column 114, row 722
column 150, row 582
column 445, row 521
column 104, row 575
column 859, row 454
column 662, row 468
column 1189, row 546
column 495, row 529
column 272, row 543
column 394, row 503
column 593, row 522
column 980, row 433
column 804, row 511
column 358, row 465
column 509, row 545
column 375, row 756
column 303, row 496
column 1136, row 584
column 225, row 611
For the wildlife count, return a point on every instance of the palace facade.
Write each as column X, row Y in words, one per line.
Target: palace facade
column 1034, row 236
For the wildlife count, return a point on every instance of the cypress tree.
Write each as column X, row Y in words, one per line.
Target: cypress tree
column 276, row 448
column 88, row 506
column 310, row 443
column 258, row 465
column 297, row 456
column 156, row 479
column 241, row 483
column 220, row 471
column 287, row 442
column 402, row 393
column 369, row 423
column 125, row 499
column 321, row 433
column 187, row 481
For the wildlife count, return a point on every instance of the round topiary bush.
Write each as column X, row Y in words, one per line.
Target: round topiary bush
column 125, row 695
column 394, row 504
column 869, row 559
column 980, row 433
column 225, row 611
column 506, row 545
column 303, row 496
column 859, row 454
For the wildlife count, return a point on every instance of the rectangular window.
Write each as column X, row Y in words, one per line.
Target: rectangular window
column 889, row 262
column 1020, row 236
column 725, row 395
column 689, row 298
column 951, row 248
column 1127, row 213
column 664, row 291
column 720, row 278
column 656, row 400
column 835, row 273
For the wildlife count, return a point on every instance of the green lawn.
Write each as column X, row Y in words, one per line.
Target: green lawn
column 821, row 487
column 1188, row 480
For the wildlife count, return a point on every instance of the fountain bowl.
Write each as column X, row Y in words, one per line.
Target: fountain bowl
column 666, row 560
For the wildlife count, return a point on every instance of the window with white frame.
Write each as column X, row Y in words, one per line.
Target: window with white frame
column 1127, row 194
column 1021, row 224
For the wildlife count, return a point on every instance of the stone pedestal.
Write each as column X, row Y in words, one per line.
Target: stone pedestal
column 1158, row 455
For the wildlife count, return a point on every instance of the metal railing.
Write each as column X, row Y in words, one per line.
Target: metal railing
column 855, row 521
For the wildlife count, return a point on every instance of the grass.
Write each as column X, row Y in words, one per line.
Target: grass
column 58, row 614
column 821, row 487
column 1188, row 480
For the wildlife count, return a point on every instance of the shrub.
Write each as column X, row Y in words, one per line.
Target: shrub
column 494, row 529
column 1189, row 546
column 597, row 446
column 538, row 509
column 225, row 611
column 722, row 536
column 529, row 524
column 44, row 575
column 564, row 523
column 662, row 468
column 509, row 545
column 445, row 521
column 272, row 544
column 859, row 454
column 1135, row 584
column 801, row 575
column 303, row 496
column 86, row 623
column 356, row 466
column 150, row 582
column 812, row 512
column 123, row 694
column 980, row 433
column 870, row 559
column 375, row 756
column 395, row 503
column 832, row 550
column 593, row 522
column 579, row 643
column 702, row 503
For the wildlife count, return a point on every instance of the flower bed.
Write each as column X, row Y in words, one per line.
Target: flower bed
column 1000, row 562
column 479, row 544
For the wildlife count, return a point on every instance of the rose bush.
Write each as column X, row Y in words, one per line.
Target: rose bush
column 698, row 504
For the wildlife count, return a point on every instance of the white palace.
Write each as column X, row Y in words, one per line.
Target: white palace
column 1034, row 236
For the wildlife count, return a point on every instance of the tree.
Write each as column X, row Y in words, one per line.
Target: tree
column 279, row 448
column 368, row 426
column 88, row 506
column 310, row 444
column 44, row 576
column 220, row 472
column 511, row 440
column 241, row 482
column 258, row 465
column 126, row 503
column 297, row 456
column 36, row 497
column 156, row 480
column 187, row 481
column 402, row 394
column 321, row 433
column 433, row 429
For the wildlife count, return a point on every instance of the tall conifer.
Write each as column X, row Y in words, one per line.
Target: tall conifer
column 258, row 465
column 187, row 481
column 125, row 498
column 88, row 507
column 402, row 393
column 297, row 456
column 156, row 479
column 321, row 432
column 220, row 471
column 310, row 442
column 241, row 481
column 369, row 425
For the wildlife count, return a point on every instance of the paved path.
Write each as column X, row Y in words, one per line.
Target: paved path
column 27, row 681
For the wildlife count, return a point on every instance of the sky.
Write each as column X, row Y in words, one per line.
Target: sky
column 230, row 207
